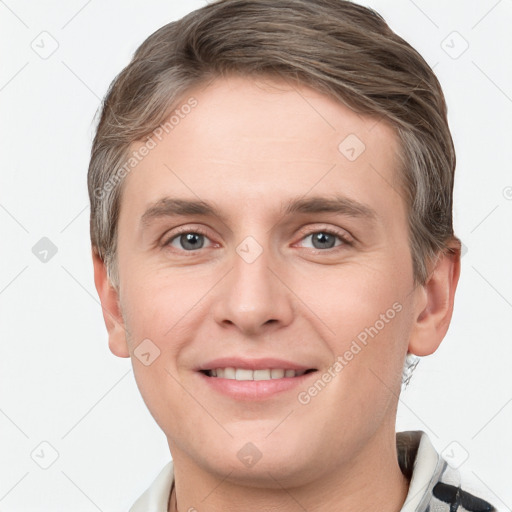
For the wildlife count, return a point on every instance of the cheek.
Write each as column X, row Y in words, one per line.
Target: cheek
column 353, row 297
column 159, row 304
column 367, row 318
column 159, row 312
column 156, row 338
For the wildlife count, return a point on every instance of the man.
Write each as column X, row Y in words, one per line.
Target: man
column 271, row 220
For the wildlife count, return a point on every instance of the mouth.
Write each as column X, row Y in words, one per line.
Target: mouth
column 245, row 374
column 259, row 379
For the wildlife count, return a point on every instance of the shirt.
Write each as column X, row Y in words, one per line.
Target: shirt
column 434, row 486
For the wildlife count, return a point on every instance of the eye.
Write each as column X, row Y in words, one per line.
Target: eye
column 326, row 239
column 187, row 240
column 190, row 240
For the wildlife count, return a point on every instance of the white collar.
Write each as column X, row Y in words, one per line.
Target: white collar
column 427, row 467
column 156, row 498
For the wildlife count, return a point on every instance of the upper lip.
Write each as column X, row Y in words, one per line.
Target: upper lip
column 252, row 364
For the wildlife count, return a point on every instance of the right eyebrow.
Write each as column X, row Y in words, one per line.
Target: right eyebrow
column 168, row 207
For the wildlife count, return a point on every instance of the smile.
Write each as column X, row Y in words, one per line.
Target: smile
column 248, row 374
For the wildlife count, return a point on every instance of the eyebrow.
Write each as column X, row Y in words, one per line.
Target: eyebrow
column 341, row 205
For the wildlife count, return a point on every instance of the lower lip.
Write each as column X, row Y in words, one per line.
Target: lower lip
column 254, row 389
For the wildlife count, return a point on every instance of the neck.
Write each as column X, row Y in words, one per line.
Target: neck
column 371, row 481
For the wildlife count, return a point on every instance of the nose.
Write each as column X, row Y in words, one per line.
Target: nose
column 253, row 297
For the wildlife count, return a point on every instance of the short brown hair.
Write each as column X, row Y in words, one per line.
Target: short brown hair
column 336, row 47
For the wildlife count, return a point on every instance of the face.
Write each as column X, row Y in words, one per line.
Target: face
column 298, row 260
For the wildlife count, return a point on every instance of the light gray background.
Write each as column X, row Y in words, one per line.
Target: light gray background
column 59, row 383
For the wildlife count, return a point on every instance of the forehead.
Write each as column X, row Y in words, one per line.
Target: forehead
column 251, row 141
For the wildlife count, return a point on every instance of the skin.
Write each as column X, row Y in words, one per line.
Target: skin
column 248, row 146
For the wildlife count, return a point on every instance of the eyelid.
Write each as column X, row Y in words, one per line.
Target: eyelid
column 180, row 231
column 342, row 234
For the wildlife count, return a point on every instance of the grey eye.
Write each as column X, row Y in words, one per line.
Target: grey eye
column 323, row 240
column 188, row 241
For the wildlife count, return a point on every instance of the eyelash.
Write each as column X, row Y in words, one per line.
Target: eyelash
column 342, row 236
column 345, row 239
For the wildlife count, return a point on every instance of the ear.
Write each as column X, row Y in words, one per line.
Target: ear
column 434, row 305
column 111, row 309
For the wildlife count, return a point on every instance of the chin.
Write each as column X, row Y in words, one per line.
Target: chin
column 259, row 464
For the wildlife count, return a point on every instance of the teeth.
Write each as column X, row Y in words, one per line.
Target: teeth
column 241, row 374
column 277, row 374
column 245, row 374
column 229, row 373
column 261, row 374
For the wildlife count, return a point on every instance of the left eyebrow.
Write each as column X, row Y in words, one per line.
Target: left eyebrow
column 340, row 205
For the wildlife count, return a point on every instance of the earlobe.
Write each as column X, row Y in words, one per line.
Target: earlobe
column 434, row 302
column 111, row 310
